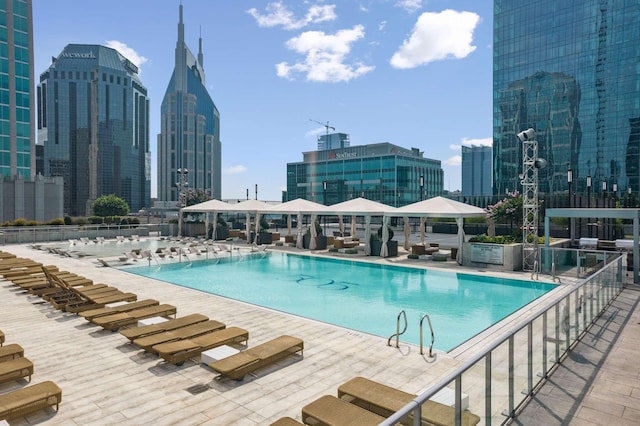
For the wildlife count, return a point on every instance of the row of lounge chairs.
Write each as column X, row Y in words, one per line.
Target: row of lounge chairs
column 366, row 402
column 20, row 402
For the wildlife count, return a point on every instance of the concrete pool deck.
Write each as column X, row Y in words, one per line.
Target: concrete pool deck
column 106, row 380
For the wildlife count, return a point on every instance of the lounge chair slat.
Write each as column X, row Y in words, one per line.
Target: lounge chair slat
column 115, row 321
column 29, row 399
column 181, row 350
column 238, row 365
column 385, row 400
column 11, row 351
column 138, row 332
column 15, row 369
column 331, row 411
column 95, row 313
column 188, row 332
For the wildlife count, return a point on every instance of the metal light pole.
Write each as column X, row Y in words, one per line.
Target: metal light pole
column 182, row 185
column 572, row 221
column 256, row 191
column 589, row 202
column 421, row 186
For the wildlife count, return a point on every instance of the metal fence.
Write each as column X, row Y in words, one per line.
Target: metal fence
column 497, row 381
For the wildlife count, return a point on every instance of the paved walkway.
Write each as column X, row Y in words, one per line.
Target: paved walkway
column 599, row 382
column 107, row 381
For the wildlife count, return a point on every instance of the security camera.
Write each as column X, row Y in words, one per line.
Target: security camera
column 540, row 163
column 527, row 135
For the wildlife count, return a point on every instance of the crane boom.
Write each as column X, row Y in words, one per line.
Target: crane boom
column 326, row 126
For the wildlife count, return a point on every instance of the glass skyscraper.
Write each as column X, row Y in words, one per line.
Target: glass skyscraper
column 476, row 171
column 190, row 128
column 380, row 172
column 93, row 120
column 569, row 70
column 17, row 103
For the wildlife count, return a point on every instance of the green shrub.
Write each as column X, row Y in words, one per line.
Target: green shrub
column 80, row 221
column 68, row 220
column 33, row 223
column 124, row 221
column 413, row 256
column 134, row 221
column 95, row 220
column 56, row 222
column 390, row 233
column 20, row 222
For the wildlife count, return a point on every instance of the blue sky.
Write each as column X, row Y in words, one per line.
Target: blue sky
column 415, row 73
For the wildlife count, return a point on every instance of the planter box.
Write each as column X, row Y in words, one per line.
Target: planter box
column 263, row 238
column 498, row 257
column 222, row 234
column 376, row 246
column 321, row 242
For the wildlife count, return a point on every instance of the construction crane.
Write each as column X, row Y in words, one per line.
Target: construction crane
column 326, row 126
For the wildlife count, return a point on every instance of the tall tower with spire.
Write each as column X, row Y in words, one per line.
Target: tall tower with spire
column 189, row 136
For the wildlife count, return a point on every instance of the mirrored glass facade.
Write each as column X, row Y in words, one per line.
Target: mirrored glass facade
column 17, row 117
column 94, row 121
column 380, row 172
column 570, row 70
column 190, row 129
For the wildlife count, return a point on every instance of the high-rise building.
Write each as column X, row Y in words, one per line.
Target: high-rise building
column 93, row 120
column 23, row 193
column 17, row 114
column 380, row 172
column 476, row 171
column 189, row 136
column 569, row 70
column 333, row 141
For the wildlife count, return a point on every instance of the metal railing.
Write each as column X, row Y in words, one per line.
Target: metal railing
column 398, row 333
column 501, row 378
column 40, row 234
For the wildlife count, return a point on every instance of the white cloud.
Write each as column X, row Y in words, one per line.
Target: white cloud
column 128, row 52
column 409, row 5
column 382, row 25
column 456, row 160
column 481, row 142
column 454, row 147
column 234, row 170
column 437, row 36
column 279, row 15
column 325, row 56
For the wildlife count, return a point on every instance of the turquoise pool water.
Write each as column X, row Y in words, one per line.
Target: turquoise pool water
column 357, row 295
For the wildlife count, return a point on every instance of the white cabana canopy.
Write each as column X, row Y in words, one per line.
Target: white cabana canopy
column 362, row 207
column 299, row 206
column 443, row 207
column 208, row 206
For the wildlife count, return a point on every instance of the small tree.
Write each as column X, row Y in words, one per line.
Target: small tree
column 110, row 205
column 508, row 210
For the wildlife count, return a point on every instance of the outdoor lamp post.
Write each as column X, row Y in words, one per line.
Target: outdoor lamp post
column 615, row 194
column 629, row 196
column 421, row 186
column 589, row 201
column 569, row 183
column 182, row 185
column 247, row 194
column 256, row 191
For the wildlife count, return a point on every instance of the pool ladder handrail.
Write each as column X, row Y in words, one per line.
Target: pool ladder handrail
column 398, row 332
column 432, row 336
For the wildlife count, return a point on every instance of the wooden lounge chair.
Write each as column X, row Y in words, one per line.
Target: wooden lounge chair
column 173, row 324
column 188, row 332
column 29, row 399
column 331, row 411
column 115, row 321
column 11, row 351
column 181, row 350
column 1, row 338
column 385, row 400
column 15, row 369
column 95, row 313
column 238, row 365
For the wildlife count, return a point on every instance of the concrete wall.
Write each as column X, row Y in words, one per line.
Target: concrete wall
column 40, row 200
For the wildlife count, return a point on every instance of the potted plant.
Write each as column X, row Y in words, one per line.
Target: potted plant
column 375, row 243
column 264, row 236
column 321, row 240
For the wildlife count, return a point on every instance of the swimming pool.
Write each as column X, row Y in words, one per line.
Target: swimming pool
column 358, row 295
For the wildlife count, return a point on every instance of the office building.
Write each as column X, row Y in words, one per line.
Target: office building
column 93, row 120
column 476, row 171
column 569, row 70
column 23, row 193
column 333, row 141
column 380, row 172
column 189, row 136
column 17, row 114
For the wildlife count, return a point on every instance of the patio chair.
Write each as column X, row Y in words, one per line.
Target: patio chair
column 385, row 400
column 114, row 321
column 238, row 365
column 181, row 350
column 187, row 332
column 169, row 325
column 98, row 312
column 20, row 402
column 15, row 369
column 286, row 421
column 1, row 338
column 10, row 352
column 329, row 410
